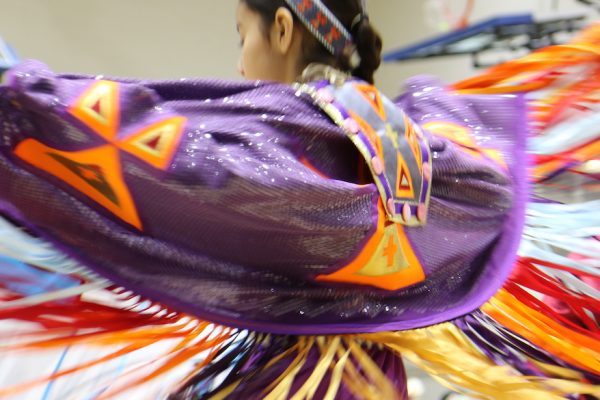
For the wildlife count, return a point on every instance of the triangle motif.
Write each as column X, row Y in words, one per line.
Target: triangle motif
column 154, row 143
column 98, row 108
column 372, row 96
column 95, row 173
column 387, row 261
column 91, row 174
column 404, row 182
column 157, row 143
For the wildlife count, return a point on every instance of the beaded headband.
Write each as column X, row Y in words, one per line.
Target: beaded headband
column 324, row 25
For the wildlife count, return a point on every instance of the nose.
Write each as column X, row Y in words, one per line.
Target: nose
column 240, row 67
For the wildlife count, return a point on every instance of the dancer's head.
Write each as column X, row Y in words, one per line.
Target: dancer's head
column 277, row 43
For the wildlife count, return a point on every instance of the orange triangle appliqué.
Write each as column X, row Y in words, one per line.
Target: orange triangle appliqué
column 157, row 143
column 371, row 94
column 404, row 183
column 95, row 172
column 387, row 261
column 98, row 108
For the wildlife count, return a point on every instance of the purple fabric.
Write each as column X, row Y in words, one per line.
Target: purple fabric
column 237, row 228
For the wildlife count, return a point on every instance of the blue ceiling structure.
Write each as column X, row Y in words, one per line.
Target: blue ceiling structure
column 508, row 33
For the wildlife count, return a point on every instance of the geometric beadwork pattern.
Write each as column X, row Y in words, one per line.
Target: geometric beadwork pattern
column 393, row 147
column 399, row 160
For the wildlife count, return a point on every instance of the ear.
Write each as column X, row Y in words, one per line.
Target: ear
column 282, row 31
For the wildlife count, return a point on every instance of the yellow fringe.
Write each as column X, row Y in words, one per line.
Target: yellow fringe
column 283, row 385
column 447, row 354
column 443, row 351
column 222, row 395
column 360, row 387
column 328, row 349
column 335, row 351
column 336, row 377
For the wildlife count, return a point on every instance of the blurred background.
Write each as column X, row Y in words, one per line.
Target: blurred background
column 173, row 39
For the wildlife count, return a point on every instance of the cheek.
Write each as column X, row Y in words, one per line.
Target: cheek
column 250, row 59
column 247, row 55
column 254, row 58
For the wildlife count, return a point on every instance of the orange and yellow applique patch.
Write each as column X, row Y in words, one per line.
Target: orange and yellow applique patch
column 387, row 261
column 97, row 172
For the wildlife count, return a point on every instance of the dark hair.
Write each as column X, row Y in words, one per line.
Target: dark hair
column 367, row 40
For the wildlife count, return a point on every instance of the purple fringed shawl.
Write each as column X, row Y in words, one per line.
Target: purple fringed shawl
column 231, row 198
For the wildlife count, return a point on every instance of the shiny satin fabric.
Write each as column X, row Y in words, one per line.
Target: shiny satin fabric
column 228, row 200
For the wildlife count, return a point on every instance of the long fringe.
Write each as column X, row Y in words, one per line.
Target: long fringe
column 511, row 349
column 446, row 353
column 303, row 367
column 80, row 309
column 543, row 325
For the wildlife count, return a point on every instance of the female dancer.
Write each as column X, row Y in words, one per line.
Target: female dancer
column 294, row 234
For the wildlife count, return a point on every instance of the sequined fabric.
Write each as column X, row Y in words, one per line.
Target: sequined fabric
column 261, row 195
